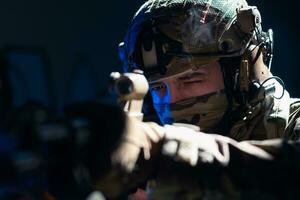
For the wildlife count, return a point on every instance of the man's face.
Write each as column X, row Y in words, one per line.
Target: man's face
column 198, row 81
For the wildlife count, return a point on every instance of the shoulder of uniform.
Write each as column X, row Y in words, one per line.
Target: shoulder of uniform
column 294, row 104
column 293, row 128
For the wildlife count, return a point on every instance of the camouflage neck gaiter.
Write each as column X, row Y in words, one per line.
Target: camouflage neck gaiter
column 203, row 111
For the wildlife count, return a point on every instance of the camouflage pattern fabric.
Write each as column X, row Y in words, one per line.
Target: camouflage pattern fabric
column 205, row 111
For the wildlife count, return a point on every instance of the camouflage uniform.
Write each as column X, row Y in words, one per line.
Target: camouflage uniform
column 271, row 118
column 263, row 116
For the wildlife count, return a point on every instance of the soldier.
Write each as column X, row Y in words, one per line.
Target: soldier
column 208, row 67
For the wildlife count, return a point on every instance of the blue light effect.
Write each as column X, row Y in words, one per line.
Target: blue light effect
column 7, row 143
column 162, row 104
column 28, row 76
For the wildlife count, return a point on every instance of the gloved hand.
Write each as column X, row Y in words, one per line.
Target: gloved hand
column 188, row 145
column 183, row 143
column 136, row 137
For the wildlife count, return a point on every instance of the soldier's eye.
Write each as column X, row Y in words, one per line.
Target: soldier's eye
column 158, row 89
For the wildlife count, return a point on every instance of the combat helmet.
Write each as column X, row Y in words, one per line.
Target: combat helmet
column 207, row 29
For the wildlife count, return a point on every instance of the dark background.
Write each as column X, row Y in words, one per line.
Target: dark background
column 78, row 41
